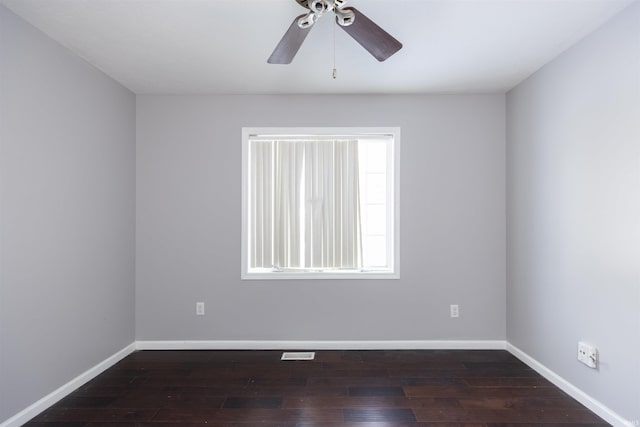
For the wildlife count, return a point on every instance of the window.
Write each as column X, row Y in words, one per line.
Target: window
column 320, row 203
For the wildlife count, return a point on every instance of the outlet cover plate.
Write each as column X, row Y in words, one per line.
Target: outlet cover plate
column 588, row 354
column 454, row 310
column 200, row 308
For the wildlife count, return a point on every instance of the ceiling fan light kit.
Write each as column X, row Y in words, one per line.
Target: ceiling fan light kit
column 367, row 33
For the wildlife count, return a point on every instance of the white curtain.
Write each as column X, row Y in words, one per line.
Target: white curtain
column 305, row 205
column 288, row 158
column 260, row 204
column 332, row 214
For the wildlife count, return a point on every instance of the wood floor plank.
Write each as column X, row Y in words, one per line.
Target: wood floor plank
column 76, row 415
column 520, row 403
column 365, row 402
column 379, row 415
column 250, row 416
column 508, row 382
column 383, row 381
column 253, row 402
column 507, row 415
column 482, row 392
column 375, row 391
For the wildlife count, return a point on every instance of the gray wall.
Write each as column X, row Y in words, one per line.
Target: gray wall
column 189, row 215
column 67, row 204
column 573, row 204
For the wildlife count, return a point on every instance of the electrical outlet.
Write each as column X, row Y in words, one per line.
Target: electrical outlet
column 588, row 354
column 454, row 310
column 200, row 308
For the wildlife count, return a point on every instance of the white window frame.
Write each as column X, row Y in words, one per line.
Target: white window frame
column 393, row 216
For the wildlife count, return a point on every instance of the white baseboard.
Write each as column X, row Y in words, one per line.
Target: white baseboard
column 592, row 404
column 28, row 413
column 322, row 345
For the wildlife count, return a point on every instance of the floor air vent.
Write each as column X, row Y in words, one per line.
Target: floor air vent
column 298, row 356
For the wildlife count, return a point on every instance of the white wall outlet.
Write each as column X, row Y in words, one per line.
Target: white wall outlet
column 200, row 308
column 588, row 354
column 454, row 310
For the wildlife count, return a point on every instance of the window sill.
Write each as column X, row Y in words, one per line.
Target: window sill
column 321, row 275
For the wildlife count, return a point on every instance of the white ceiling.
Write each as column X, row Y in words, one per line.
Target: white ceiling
column 221, row 46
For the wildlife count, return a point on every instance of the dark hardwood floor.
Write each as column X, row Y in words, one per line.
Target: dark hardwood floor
column 339, row 388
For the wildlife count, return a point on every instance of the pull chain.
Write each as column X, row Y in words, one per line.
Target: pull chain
column 335, row 72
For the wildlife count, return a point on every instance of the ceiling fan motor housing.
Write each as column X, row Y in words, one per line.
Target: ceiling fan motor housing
column 317, row 8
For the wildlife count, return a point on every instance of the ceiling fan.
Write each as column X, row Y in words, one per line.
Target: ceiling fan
column 374, row 39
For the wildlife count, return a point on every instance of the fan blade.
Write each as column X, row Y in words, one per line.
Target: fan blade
column 290, row 43
column 374, row 39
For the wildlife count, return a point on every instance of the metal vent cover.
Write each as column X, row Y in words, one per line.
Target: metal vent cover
column 309, row 355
